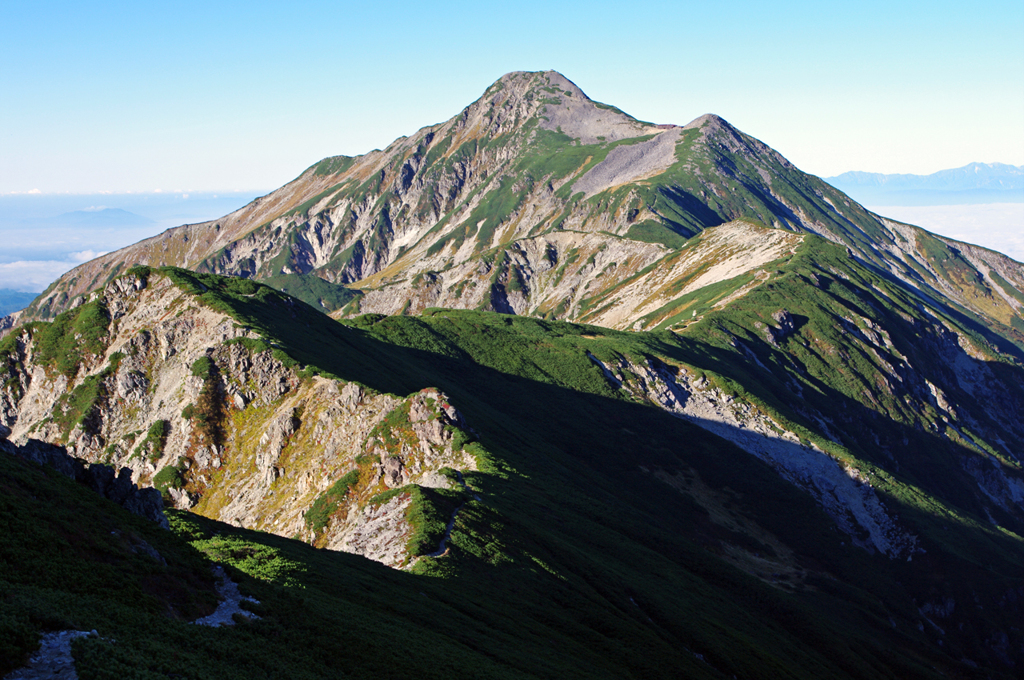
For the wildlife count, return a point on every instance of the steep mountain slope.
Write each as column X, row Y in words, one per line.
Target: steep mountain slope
column 537, row 200
column 790, row 444
column 747, row 517
column 130, row 595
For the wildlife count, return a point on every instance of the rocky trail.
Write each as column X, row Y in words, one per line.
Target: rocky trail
column 230, row 603
column 442, row 546
column 53, row 661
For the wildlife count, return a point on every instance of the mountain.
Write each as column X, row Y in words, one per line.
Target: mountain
column 14, row 300
column 537, row 200
column 602, row 398
column 973, row 183
column 99, row 218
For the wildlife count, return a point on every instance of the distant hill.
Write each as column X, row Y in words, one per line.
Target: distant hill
column 104, row 217
column 973, row 183
column 13, row 300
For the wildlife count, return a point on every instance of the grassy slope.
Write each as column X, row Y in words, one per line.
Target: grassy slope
column 581, row 455
column 576, row 561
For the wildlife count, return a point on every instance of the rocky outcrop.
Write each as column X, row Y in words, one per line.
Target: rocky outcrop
column 842, row 491
column 376, row 531
column 184, row 397
column 114, row 485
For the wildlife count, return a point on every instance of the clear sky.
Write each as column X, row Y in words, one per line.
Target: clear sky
column 118, row 96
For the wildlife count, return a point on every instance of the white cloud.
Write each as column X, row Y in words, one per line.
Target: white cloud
column 999, row 226
column 32, row 276
column 85, row 255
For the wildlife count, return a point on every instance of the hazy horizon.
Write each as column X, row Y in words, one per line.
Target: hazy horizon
column 135, row 97
column 38, row 250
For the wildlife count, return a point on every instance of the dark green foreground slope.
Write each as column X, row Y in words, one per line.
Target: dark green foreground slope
column 577, row 561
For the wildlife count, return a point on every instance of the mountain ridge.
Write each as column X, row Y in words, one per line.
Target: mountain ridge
column 970, row 176
column 435, row 217
column 574, row 362
column 710, row 438
column 972, row 183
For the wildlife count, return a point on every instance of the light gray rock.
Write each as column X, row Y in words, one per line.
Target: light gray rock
column 230, row 604
column 53, row 661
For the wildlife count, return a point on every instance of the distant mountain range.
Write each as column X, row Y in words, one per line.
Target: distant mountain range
column 102, row 217
column 973, row 183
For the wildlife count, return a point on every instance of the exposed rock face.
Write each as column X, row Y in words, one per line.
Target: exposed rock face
column 537, row 200
column 378, row 532
column 252, row 442
column 843, row 492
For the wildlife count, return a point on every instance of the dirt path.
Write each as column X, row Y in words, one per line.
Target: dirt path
column 441, row 548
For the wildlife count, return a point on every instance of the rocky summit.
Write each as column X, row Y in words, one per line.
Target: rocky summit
column 540, row 391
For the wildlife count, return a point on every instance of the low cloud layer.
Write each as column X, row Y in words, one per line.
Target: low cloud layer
column 999, row 226
column 33, row 276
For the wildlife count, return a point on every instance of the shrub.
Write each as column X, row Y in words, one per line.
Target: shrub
column 202, row 368
column 169, row 477
column 71, row 336
column 327, row 503
column 156, row 438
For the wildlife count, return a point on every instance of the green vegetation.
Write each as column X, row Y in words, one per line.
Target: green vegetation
column 72, row 337
column 333, row 166
column 203, row 367
column 254, row 558
column 156, row 438
column 170, row 477
column 313, row 290
column 428, row 517
column 327, row 503
column 71, row 559
column 74, row 408
column 650, row 231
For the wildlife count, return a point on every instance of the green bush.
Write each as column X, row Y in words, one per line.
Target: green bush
column 255, row 559
column 319, row 513
column 156, row 439
column 202, row 368
column 169, row 477
column 71, row 336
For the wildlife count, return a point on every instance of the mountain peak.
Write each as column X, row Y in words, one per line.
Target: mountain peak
column 532, row 81
column 707, row 119
column 560, row 105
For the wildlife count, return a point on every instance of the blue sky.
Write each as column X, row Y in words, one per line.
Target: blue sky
column 220, row 95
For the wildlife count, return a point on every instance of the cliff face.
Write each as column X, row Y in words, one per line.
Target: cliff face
column 191, row 402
